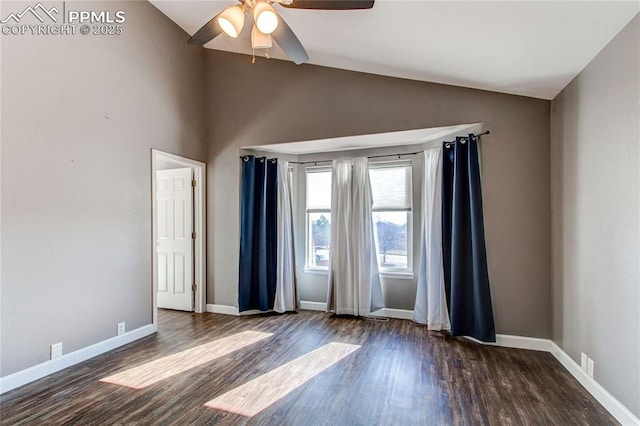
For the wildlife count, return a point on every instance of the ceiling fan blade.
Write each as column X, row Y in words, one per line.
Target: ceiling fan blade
column 287, row 40
column 208, row 32
column 330, row 4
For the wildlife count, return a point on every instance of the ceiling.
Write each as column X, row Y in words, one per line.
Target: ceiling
column 530, row 48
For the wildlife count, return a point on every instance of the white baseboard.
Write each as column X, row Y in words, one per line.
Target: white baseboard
column 313, row 306
column 608, row 401
column 393, row 313
column 231, row 310
column 310, row 306
column 384, row 312
column 252, row 312
column 223, row 309
column 39, row 371
column 518, row 342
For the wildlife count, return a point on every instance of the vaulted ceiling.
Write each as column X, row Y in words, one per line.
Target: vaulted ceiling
column 530, row 48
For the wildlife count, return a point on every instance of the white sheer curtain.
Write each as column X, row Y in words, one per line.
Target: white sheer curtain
column 286, row 294
column 431, row 302
column 354, row 282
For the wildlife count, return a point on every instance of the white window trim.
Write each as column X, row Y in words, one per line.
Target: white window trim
column 399, row 273
column 396, row 273
column 308, row 267
column 318, row 270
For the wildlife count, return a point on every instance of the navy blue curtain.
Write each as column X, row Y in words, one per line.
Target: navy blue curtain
column 463, row 244
column 258, row 229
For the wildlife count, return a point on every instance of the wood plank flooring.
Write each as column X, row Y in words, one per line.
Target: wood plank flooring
column 399, row 374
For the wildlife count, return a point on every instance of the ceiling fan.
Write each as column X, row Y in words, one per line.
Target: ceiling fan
column 268, row 25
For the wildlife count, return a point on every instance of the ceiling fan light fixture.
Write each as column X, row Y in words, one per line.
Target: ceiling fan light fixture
column 232, row 20
column 265, row 17
column 260, row 40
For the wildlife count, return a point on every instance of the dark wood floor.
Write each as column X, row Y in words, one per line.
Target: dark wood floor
column 401, row 374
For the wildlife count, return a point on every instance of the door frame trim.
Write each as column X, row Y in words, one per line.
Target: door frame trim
column 199, row 209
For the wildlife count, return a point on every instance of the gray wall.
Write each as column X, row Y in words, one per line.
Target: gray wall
column 80, row 116
column 596, row 216
column 276, row 101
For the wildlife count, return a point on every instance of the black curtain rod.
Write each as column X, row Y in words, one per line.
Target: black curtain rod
column 383, row 155
column 463, row 139
column 467, row 137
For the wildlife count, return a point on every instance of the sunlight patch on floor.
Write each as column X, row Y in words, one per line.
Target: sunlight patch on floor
column 152, row 372
column 252, row 397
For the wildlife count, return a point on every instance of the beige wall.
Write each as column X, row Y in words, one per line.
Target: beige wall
column 275, row 101
column 596, row 216
column 80, row 115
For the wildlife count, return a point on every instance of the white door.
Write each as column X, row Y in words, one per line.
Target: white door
column 174, row 195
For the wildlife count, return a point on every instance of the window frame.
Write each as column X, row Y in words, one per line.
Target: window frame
column 383, row 271
column 398, row 272
column 308, row 265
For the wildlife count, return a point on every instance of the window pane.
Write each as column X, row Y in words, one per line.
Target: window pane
column 319, row 237
column 318, row 189
column 391, row 228
column 391, row 187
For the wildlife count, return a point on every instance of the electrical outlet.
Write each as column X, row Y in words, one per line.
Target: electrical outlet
column 120, row 328
column 590, row 367
column 56, row 350
column 583, row 361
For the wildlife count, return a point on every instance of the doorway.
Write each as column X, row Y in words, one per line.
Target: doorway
column 178, row 256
